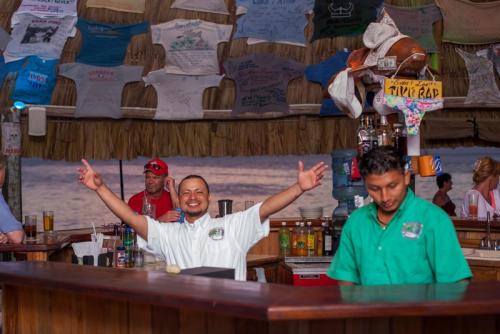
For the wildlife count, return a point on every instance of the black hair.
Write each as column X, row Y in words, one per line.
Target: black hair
column 193, row 176
column 441, row 179
column 381, row 160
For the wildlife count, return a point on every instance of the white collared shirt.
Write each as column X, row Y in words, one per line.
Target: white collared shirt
column 211, row 242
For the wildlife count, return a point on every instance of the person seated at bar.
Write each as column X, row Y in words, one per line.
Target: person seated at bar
column 441, row 197
column 399, row 238
column 485, row 176
column 11, row 231
column 204, row 241
column 155, row 180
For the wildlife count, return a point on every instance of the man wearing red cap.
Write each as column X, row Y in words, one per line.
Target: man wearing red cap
column 155, row 179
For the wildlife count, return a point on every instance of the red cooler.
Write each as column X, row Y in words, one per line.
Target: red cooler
column 310, row 274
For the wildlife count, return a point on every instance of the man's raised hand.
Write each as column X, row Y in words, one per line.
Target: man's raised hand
column 311, row 178
column 89, row 177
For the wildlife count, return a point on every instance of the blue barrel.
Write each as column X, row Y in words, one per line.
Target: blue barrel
column 344, row 188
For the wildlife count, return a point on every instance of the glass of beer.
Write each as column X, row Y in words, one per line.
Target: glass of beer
column 30, row 227
column 473, row 200
column 48, row 221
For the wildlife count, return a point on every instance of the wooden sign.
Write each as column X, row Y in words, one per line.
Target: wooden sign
column 414, row 88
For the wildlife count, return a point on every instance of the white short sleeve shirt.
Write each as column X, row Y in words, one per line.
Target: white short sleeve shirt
column 211, row 242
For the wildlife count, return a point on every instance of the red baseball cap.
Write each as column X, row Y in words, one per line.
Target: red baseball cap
column 156, row 166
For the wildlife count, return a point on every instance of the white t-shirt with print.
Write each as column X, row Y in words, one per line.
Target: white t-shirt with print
column 42, row 37
column 211, row 242
column 99, row 89
column 211, row 6
column 45, row 8
column 179, row 96
column 191, row 45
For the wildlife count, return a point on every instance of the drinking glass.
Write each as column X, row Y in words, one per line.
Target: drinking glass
column 30, row 227
column 48, row 221
column 149, row 209
column 473, row 197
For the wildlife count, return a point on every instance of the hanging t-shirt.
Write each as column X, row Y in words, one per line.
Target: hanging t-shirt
column 211, row 6
column 132, row 6
column 322, row 73
column 99, row 89
column 105, row 44
column 191, row 45
column 343, row 17
column 416, row 22
column 261, row 82
column 42, row 37
column 45, row 8
column 273, row 20
column 6, row 68
column 179, row 96
column 4, row 39
column 482, row 85
column 467, row 22
column 35, row 81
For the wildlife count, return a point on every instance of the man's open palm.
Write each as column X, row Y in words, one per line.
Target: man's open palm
column 89, row 177
column 311, row 178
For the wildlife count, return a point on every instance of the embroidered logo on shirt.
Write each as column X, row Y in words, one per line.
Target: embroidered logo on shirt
column 216, row 233
column 412, row 230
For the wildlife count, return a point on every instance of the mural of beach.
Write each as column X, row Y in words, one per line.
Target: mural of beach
column 52, row 185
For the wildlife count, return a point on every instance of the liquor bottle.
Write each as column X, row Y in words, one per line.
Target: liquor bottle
column 319, row 240
column 295, row 234
column 302, row 241
column 372, row 133
column 399, row 139
column 284, row 239
column 128, row 243
column 311, row 240
column 328, row 237
column 384, row 133
column 364, row 142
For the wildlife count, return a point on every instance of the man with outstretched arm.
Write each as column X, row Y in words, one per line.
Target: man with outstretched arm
column 204, row 241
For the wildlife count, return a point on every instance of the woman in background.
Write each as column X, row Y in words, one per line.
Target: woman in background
column 485, row 177
column 441, row 197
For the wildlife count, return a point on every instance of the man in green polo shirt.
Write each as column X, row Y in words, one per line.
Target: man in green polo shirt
column 399, row 238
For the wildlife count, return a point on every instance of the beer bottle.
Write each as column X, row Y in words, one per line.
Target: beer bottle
column 128, row 243
column 302, row 241
column 328, row 238
column 311, row 240
column 284, row 239
column 295, row 233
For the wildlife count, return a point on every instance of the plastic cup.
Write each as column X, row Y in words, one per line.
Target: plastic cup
column 48, row 221
column 30, row 227
column 473, row 198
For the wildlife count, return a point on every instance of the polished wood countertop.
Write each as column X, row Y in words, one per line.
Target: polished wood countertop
column 256, row 300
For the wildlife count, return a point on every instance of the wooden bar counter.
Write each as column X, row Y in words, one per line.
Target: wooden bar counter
column 52, row 297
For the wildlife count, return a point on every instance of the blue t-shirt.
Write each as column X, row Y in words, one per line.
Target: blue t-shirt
column 322, row 73
column 105, row 44
column 6, row 68
column 8, row 223
column 274, row 20
column 35, row 81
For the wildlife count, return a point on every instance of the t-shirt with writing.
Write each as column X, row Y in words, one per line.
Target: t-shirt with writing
column 42, row 37
column 343, row 17
column 132, row 6
column 99, row 89
column 191, row 45
column 4, row 39
column 105, row 44
column 7, row 68
column 273, row 20
column 482, row 85
column 211, row 6
column 322, row 73
column 179, row 96
column 416, row 22
column 35, row 81
column 261, row 82
column 45, row 8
